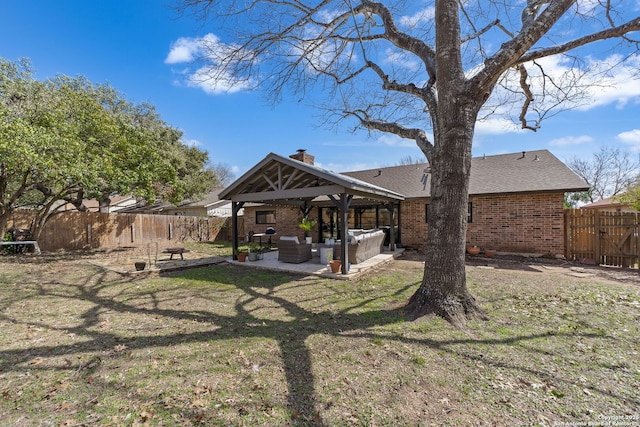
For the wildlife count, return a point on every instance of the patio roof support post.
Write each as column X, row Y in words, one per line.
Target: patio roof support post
column 345, row 201
column 320, row 225
column 235, row 208
column 392, row 233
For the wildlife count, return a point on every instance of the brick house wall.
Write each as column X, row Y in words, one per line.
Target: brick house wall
column 413, row 219
column 524, row 223
column 521, row 223
column 286, row 221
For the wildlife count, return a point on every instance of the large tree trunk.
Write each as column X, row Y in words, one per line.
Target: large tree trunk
column 444, row 288
column 4, row 216
column 104, row 204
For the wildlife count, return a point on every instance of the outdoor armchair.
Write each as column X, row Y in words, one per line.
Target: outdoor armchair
column 290, row 250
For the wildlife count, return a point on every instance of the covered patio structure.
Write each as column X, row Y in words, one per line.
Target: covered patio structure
column 282, row 180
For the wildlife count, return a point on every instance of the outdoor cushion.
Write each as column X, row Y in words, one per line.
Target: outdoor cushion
column 367, row 244
column 290, row 238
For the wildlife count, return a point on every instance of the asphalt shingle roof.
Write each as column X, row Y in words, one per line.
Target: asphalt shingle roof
column 535, row 171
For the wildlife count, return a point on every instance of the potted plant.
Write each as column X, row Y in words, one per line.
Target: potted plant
column 490, row 252
column 255, row 251
column 241, row 255
column 335, row 265
column 307, row 225
column 473, row 250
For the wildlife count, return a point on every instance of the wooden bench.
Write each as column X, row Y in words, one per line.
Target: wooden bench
column 175, row 251
column 36, row 247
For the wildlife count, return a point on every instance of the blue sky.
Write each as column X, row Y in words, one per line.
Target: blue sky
column 131, row 44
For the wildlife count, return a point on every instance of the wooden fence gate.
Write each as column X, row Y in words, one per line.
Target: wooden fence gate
column 604, row 238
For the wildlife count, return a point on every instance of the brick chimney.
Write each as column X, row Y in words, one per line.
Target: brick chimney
column 302, row 156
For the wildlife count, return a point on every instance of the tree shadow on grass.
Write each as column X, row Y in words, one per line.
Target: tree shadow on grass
column 290, row 331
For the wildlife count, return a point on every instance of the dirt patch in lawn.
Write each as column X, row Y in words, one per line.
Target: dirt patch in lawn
column 226, row 345
column 544, row 265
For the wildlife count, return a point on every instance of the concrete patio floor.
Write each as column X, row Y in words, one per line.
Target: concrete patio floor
column 270, row 261
column 313, row 266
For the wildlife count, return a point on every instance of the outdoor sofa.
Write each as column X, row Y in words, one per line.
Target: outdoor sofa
column 363, row 244
column 290, row 250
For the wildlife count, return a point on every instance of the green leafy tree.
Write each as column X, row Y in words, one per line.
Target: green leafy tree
column 574, row 200
column 66, row 140
column 631, row 197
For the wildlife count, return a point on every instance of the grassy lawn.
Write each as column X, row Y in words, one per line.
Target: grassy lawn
column 227, row 345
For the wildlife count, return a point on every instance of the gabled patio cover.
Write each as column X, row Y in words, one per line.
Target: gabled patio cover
column 282, row 180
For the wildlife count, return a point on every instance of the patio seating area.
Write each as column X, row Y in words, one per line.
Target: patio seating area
column 289, row 250
column 313, row 266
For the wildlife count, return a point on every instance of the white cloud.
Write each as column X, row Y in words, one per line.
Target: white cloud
column 619, row 86
column 631, row 138
column 392, row 140
column 183, row 50
column 347, row 167
column 588, row 7
column 420, row 17
column 580, row 86
column 192, row 143
column 403, row 59
column 570, row 140
column 187, row 49
column 211, row 77
column 326, row 15
column 496, row 126
column 215, row 81
column 319, row 53
column 385, row 139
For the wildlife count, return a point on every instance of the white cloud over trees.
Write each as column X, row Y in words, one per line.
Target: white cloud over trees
column 205, row 51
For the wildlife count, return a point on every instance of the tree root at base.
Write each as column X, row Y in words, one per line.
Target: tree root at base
column 455, row 309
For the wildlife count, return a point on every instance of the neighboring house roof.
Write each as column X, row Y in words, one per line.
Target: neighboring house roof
column 210, row 200
column 117, row 203
column 532, row 171
column 144, row 208
column 608, row 203
column 210, row 204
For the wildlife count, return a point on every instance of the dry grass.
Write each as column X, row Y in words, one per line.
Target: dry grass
column 230, row 346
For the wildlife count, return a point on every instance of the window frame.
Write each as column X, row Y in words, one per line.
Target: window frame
column 263, row 216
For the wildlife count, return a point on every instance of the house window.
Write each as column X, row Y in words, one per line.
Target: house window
column 469, row 213
column 265, row 217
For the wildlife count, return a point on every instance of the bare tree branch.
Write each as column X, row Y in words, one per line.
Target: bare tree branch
column 402, row 40
column 480, row 32
column 528, row 99
column 610, row 172
column 418, row 135
column 609, row 33
column 387, row 84
column 484, row 81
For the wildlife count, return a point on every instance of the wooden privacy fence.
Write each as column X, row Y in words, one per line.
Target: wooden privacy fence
column 604, row 238
column 91, row 230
